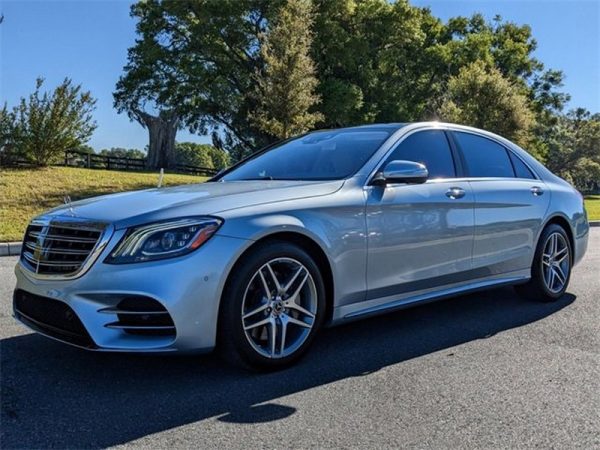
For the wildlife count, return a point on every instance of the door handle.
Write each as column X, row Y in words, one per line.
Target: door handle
column 455, row 192
column 537, row 191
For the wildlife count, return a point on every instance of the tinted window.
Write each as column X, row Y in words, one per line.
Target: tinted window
column 323, row 155
column 484, row 157
column 429, row 148
column 521, row 170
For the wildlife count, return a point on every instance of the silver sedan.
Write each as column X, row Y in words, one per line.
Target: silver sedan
column 328, row 227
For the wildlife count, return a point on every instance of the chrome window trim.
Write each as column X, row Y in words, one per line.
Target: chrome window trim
column 70, row 222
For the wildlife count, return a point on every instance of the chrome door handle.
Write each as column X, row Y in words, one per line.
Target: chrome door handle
column 455, row 192
column 537, row 191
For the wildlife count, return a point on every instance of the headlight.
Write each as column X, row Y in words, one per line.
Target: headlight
column 162, row 240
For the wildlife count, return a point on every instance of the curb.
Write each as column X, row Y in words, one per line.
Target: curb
column 10, row 248
column 14, row 248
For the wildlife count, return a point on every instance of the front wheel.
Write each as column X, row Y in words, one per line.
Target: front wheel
column 272, row 307
column 551, row 267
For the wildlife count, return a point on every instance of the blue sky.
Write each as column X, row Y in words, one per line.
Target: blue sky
column 87, row 41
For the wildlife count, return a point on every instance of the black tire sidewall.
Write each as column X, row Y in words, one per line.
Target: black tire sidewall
column 231, row 333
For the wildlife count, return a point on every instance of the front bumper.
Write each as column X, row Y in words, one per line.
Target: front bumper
column 189, row 288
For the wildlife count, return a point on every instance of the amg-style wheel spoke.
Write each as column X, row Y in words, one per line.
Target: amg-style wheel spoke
column 284, row 323
column 281, row 287
column 272, row 335
column 300, row 309
column 293, row 298
column 274, row 278
column 296, row 275
column 265, row 286
column 258, row 324
column 559, row 274
column 256, row 311
column 561, row 255
column 298, row 322
column 551, row 280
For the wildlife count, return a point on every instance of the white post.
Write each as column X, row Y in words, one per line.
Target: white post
column 160, row 177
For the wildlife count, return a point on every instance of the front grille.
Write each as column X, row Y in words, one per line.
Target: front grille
column 142, row 316
column 51, row 317
column 60, row 247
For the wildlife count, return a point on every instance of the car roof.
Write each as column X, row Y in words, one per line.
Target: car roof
column 389, row 127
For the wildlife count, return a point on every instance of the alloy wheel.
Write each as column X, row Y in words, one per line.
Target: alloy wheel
column 279, row 307
column 556, row 262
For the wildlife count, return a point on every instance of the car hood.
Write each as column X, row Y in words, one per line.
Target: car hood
column 131, row 208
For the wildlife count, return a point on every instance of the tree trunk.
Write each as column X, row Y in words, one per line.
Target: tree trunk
column 162, row 130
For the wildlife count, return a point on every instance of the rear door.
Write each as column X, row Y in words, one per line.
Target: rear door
column 510, row 203
column 419, row 235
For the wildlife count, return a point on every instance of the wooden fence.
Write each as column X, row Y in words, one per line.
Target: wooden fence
column 75, row 158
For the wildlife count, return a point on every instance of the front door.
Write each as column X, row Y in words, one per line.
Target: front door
column 420, row 236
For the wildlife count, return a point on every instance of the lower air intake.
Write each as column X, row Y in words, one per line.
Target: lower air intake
column 142, row 316
column 52, row 318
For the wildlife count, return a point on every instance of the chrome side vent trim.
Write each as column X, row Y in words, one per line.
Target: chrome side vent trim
column 140, row 315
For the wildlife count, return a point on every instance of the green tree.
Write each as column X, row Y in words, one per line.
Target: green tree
column 483, row 98
column 120, row 152
column 201, row 155
column 285, row 88
column 574, row 149
column 46, row 124
column 7, row 125
column 220, row 158
column 84, row 148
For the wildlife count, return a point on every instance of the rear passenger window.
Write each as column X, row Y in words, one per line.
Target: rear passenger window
column 430, row 148
column 484, row 157
column 521, row 170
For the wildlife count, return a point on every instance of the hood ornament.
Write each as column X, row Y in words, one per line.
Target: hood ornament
column 67, row 200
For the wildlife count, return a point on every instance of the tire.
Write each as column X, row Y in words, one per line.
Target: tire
column 543, row 285
column 252, row 307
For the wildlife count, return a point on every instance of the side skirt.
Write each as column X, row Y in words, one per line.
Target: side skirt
column 375, row 307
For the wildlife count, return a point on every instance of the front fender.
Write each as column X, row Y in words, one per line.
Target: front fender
column 336, row 225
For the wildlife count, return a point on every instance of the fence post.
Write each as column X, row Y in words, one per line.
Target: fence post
column 66, row 157
column 108, row 163
column 89, row 161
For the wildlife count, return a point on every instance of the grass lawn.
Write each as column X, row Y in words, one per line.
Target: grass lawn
column 592, row 206
column 24, row 193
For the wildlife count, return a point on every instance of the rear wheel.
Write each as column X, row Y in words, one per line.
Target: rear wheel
column 551, row 268
column 272, row 307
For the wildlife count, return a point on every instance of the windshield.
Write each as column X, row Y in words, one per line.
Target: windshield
column 323, row 155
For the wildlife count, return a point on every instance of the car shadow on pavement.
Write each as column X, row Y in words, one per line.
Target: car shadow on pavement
column 53, row 395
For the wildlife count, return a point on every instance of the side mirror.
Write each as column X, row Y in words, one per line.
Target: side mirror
column 408, row 172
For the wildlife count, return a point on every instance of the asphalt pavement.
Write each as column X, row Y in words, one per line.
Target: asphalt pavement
column 487, row 370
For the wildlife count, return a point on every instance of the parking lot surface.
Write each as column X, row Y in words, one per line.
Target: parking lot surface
column 487, row 370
